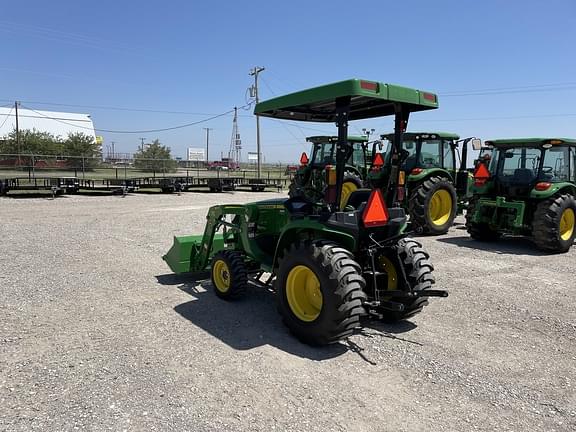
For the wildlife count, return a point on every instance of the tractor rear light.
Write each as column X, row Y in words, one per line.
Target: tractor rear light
column 542, row 186
column 376, row 213
column 481, row 175
column 402, row 178
column 400, row 193
column 304, row 159
column 368, row 85
column 416, row 171
column 330, row 175
column 429, row 96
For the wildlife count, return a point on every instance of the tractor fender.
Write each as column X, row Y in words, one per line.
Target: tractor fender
column 555, row 189
column 430, row 172
column 307, row 230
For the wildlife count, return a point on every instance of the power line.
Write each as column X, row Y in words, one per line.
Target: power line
column 499, row 118
column 7, row 115
column 508, row 90
column 139, row 131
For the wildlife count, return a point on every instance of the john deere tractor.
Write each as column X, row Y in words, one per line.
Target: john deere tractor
column 527, row 186
column 310, row 178
column 328, row 268
column 437, row 188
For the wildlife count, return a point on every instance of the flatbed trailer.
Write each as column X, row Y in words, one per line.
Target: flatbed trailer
column 56, row 185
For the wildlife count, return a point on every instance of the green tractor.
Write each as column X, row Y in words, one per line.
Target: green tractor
column 310, row 178
column 328, row 268
column 526, row 187
column 437, row 188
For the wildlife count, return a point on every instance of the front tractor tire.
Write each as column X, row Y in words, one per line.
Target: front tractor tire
column 320, row 292
column 554, row 224
column 432, row 205
column 228, row 274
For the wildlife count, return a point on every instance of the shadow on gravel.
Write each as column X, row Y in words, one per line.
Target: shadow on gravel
column 506, row 245
column 253, row 321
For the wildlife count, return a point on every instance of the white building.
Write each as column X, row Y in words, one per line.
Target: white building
column 59, row 124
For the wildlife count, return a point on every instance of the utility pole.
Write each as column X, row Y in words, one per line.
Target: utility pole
column 17, row 131
column 113, row 153
column 142, row 143
column 207, row 142
column 254, row 72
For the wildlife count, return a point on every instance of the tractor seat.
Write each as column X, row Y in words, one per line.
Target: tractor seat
column 358, row 197
column 523, row 176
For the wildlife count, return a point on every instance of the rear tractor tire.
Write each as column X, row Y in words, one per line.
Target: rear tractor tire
column 351, row 183
column 433, row 205
column 554, row 224
column 479, row 231
column 320, row 292
column 228, row 274
column 418, row 269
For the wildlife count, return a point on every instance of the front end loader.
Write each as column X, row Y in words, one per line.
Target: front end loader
column 329, row 268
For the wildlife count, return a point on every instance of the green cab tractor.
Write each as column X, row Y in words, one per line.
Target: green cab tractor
column 526, row 187
column 310, row 178
column 329, row 268
column 437, row 178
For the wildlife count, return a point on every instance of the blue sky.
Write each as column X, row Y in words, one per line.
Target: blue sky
column 194, row 57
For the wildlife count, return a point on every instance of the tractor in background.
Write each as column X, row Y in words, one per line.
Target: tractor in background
column 437, row 178
column 329, row 268
column 526, row 187
column 309, row 180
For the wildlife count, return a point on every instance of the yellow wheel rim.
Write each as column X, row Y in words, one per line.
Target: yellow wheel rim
column 303, row 293
column 567, row 224
column 221, row 276
column 440, row 208
column 347, row 189
column 387, row 266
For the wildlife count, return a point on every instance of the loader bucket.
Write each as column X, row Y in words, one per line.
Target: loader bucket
column 184, row 254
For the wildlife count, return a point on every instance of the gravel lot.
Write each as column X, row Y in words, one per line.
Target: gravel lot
column 95, row 334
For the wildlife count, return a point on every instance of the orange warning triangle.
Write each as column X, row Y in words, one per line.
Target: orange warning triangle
column 378, row 160
column 304, row 159
column 376, row 213
column 481, row 172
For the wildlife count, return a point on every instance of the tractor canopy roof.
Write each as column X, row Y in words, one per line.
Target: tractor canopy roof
column 530, row 142
column 424, row 135
column 368, row 99
column 334, row 139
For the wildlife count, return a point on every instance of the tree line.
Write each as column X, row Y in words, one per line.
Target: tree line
column 81, row 150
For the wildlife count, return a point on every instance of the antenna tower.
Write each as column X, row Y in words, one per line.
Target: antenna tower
column 235, row 152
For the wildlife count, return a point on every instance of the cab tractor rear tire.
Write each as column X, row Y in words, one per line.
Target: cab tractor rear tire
column 418, row 270
column 554, row 222
column 320, row 291
column 479, row 231
column 228, row 274
column 432, row 205
column 351, row 183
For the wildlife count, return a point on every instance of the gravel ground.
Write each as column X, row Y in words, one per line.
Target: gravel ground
column 95, row 334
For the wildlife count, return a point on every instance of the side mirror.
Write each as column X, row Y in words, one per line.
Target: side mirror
column 477, row 144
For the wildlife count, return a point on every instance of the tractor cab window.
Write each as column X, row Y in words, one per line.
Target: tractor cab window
column 357, row 158
column 448, row 155
column 556, row 167
column 573, row 163
column 519, row 165
column 430, row 154
column 324, row 153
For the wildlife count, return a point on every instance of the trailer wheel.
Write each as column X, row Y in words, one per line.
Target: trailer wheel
column 228, row 274
column 554, row 225
column 418, row 270
column 320, row 292
column 432, row 205
column 479, row 231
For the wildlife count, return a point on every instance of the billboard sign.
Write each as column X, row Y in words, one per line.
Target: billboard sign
column 196, row 154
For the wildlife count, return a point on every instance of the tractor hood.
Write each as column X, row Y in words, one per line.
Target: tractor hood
column 368, row 99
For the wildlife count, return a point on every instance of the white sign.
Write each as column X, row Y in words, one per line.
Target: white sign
column 196, row 154
column 252, row 156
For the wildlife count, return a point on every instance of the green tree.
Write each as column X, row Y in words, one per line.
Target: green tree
column 31, row 142
column 155, row 157
column 82, row 151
